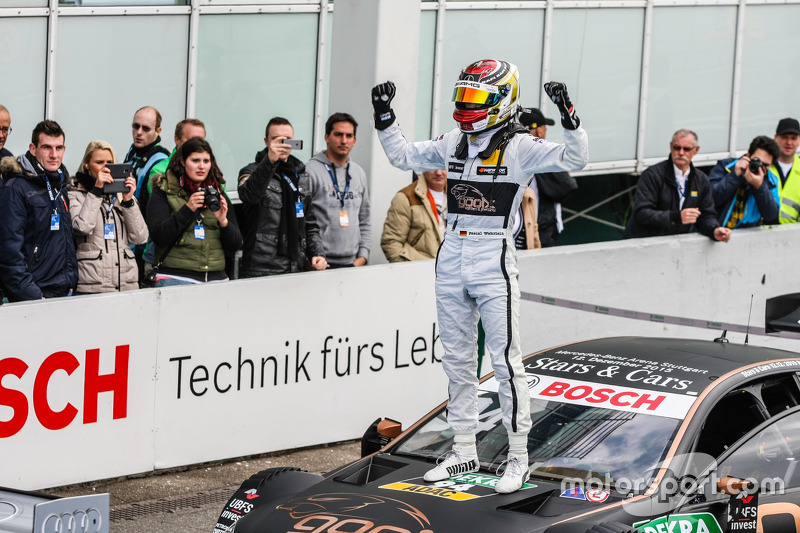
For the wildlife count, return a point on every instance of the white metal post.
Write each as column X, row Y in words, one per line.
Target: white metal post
column 50, row 68
column 647, row 41
column 737, row 77
column 191, row 70
column 438, row 62
column 319, row 93
column 547, row 46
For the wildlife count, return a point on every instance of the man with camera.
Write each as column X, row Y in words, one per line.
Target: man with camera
column 674, row 197
column 279, row 227
column 37, row 248
column 745, row 191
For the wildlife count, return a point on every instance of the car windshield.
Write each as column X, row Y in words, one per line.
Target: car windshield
column 566, row 441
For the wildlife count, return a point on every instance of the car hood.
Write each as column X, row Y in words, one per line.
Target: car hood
column 387, row 493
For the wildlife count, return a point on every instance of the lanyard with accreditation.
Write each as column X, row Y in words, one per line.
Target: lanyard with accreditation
column 298, row 204
column 344, row 219
column 55, row 218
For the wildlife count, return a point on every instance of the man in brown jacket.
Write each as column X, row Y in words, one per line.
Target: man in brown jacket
column 416, row 219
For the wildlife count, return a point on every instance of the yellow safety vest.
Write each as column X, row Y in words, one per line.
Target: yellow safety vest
column 789, row 193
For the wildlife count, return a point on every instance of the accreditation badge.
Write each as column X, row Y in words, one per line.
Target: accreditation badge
column 344, row 219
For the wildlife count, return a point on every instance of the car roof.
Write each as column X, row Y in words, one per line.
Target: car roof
column 717, row 358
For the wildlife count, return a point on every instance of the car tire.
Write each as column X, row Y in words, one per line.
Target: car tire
column 260, row 490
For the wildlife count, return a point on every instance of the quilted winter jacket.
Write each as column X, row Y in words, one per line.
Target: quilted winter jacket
column 35, row 261
column 104, row 265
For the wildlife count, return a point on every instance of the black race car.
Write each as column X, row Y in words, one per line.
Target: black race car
column 649, row 434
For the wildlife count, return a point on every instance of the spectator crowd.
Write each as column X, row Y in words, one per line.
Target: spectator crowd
column 162, row 217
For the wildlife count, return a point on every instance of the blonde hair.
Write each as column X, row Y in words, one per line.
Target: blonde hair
column 92, row 148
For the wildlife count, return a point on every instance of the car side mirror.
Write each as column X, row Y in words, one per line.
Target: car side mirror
column 380, row 433
column 733, row 485
column 782, row 313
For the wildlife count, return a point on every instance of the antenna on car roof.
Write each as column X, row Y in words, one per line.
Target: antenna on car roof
column 721, row 339
column 749, row 313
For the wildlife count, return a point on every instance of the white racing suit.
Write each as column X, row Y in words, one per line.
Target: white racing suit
column 476, row 267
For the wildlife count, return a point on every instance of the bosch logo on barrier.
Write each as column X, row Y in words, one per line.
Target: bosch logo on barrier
column 88, row 521
column 94, row 383
column 604, row 395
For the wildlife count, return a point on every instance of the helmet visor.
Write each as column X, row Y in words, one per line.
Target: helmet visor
column 469, row 92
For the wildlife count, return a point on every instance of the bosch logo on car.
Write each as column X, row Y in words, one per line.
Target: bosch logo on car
column 619, row 397
column 604, row 395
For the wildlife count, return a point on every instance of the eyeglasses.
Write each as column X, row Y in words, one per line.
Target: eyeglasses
column 680, row 149
column 146, row 129
column 5, row 130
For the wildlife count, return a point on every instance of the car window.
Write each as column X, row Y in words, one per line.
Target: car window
column 749, row 406
column 566, row 441
column 769, row 458
column 719, row 432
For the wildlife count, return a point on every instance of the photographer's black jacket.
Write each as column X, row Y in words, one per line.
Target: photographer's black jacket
column 266, row 240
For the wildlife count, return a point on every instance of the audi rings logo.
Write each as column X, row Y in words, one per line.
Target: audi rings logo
column 81, row 521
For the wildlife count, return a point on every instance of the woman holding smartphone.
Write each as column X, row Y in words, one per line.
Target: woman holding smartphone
column 189, row 218
column 105, row 225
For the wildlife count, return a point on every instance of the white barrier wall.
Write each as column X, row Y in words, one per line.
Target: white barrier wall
column 103, row 386
column 688, row 276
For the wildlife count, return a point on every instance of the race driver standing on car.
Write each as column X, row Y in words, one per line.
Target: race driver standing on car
column 490, row 160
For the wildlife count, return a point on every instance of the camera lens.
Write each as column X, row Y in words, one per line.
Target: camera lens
column 755, row 165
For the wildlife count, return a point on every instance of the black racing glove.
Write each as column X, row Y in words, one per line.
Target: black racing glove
column 381, row 99
column 557, row 92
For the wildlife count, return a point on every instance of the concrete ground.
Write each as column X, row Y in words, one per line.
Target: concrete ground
column 190, row 499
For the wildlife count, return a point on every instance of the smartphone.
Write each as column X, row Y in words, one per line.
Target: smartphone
column 120, row 172
column 296, row 144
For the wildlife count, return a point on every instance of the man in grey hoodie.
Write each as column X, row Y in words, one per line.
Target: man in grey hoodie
column 339, row 196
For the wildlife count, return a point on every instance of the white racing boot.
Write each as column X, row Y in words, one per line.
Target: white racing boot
column 516, row 473
column 457, row 461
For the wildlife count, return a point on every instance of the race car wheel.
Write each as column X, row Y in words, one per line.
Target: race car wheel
column 261, row 489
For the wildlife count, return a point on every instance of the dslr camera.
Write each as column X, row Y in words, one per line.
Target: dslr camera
column 756, row 164
column 211, row 198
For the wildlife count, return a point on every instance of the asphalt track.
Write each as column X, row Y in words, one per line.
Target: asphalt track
column 190, row 499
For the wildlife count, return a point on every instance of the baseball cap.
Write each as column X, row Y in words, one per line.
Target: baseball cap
column 787, row 125
column 531, row 117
